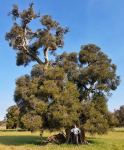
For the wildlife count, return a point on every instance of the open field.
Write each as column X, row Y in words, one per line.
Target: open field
column 15, row 140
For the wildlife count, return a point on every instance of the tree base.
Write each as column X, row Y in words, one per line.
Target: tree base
column 59, row 139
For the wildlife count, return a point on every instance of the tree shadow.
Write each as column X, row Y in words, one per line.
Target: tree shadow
column 12, row 130
column 119, row 131
column 20, row 140
column 16, row 140
column 8, row 130
column 93, row 140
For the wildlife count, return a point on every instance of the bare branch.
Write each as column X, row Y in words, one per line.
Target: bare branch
column 46, row 56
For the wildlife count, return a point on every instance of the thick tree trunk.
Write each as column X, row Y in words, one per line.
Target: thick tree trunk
column 67, row 132
column 41, row 132
column 83, row 137
column 75, row 139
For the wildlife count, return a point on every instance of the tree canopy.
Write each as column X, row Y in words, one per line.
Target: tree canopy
column 30, row 44
column 12, row 117
column 71, row 90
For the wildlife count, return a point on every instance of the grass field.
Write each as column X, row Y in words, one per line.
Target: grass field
column 15, row 140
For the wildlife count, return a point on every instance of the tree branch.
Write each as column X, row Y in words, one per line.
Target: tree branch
column 46, row 56
column 36, row 58
column 25, row 44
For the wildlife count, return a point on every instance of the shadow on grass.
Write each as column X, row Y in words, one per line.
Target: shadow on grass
column 8, row 130
column 119, row 131
column 91, row 141
column 13, row 130
column 30, row 140
column 20, row 140
column 94, row 140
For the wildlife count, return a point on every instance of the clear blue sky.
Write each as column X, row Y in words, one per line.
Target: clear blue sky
column 90, row 21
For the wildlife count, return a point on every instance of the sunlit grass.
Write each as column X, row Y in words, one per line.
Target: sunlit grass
column 16, row 140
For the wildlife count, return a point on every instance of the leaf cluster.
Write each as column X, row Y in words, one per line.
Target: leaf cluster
column 27, row 43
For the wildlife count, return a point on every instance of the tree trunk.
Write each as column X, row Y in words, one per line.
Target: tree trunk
column 75, row 139
column 83, row 137
column 67, row 132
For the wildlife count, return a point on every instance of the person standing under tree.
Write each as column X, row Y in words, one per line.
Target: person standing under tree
column 76, row 132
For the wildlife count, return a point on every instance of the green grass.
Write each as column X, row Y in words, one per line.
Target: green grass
column 15, row 140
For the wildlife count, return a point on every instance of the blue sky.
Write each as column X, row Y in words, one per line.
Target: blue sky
column 90, row 21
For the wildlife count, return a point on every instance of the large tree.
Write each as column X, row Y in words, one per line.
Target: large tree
column 73, row 89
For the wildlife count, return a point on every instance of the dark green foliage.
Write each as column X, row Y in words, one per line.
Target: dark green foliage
column 65, row 109
column 32, row 122
column 98, row 74
column 120, row 116
column 100, row 104
column 72, row 90
column 93, row 72
column 47, row 95
column 92, row 119
column 96, row 122
column 27, row 42
column 112, row 119
column 12, row 117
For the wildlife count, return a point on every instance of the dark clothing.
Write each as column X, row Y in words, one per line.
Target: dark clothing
column 75, row 137
column 76, row 140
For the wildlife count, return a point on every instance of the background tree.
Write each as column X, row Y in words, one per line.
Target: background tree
column 113, row 120
column 73, row 89
column 12, row 117
column 3, row 123
column 120, row 115
column 27, row 43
